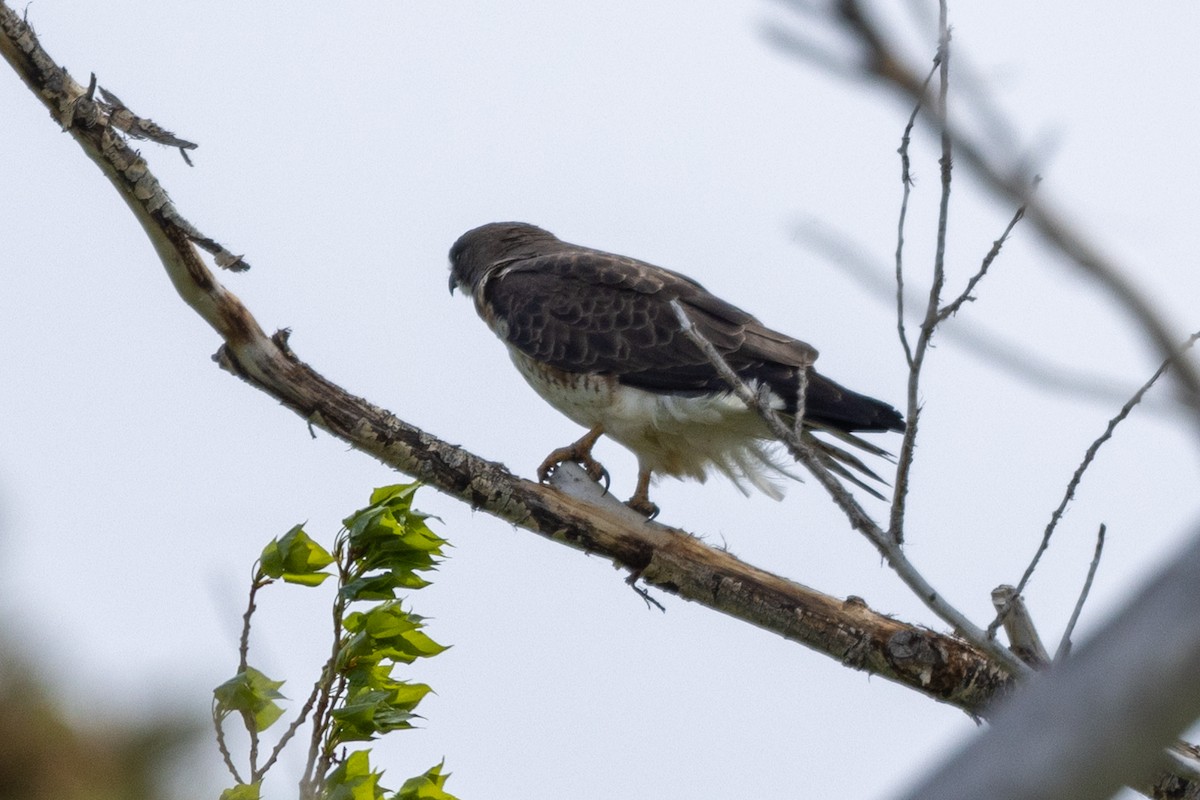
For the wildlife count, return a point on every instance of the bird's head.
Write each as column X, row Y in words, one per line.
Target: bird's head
column 481, row 250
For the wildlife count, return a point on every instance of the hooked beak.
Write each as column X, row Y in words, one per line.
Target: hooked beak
column 453, row 284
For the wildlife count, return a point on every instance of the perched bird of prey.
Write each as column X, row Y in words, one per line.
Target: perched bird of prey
column 595, row 334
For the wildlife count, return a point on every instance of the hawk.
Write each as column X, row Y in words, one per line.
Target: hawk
column 595, row 334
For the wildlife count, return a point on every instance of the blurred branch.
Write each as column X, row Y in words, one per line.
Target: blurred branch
column 882, row 59
column 1082, row 729
column 990, row 346
column 1088, row 457
column 1096, row 722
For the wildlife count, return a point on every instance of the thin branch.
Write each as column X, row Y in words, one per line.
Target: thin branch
column 289, row 733
column 226, row 756
column 913, row 412
column 906, row 181
column 1011, row 180
column 243, row 664
column 123, row 119
column 1088, row 458
column 252, row 729
column 1064, row 646
column 952, row 307
column 990, row 346
column 859, row 519
column 946, row 162
column 829, row 59
column 244, row 639
column 317, row 764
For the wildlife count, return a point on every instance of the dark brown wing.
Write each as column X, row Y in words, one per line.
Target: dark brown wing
column 587, row 311
column 583, row 310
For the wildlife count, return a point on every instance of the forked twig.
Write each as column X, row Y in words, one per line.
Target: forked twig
column 1009, row 177
column 226, row 756
column 990, row 346
column 929, row 324
column 890, row 549
column 906, row 181
column 1088, row 458
column 952, row 307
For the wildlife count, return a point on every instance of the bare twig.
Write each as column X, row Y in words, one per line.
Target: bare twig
column 256, row 771
column 644, row 593
column 991, row 346
column 243, row 664
column 1064, row 646
column 1012, row 180
column 317, row 764
column 289, row 733
column 224, row 748
column 913, row 412
column 1088, row 458
column 952, row 307
column 906, row 181
column 244, row 640
column 859, row 519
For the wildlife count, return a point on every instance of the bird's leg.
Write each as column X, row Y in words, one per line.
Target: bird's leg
column 581, row 453
column 640, row 502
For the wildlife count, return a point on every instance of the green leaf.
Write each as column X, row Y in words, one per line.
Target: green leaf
column 378, row 708
column 253, row 695
column 385, row 631
column 368, row 714
column 389, row 537
column 407, row 695
column 399, row 494
column 243, row 791
column 427, row 786
column 353, row 779
column 381, row 587
column 296, row 558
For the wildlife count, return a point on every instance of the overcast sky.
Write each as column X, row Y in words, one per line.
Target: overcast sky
column 345, row 147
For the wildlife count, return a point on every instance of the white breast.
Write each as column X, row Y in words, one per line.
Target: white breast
column 670, row 434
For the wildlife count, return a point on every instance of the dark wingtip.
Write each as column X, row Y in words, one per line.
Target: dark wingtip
column 894, row 420
column 835, row 406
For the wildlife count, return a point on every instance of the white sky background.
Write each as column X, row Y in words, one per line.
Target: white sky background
column 343, row 149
